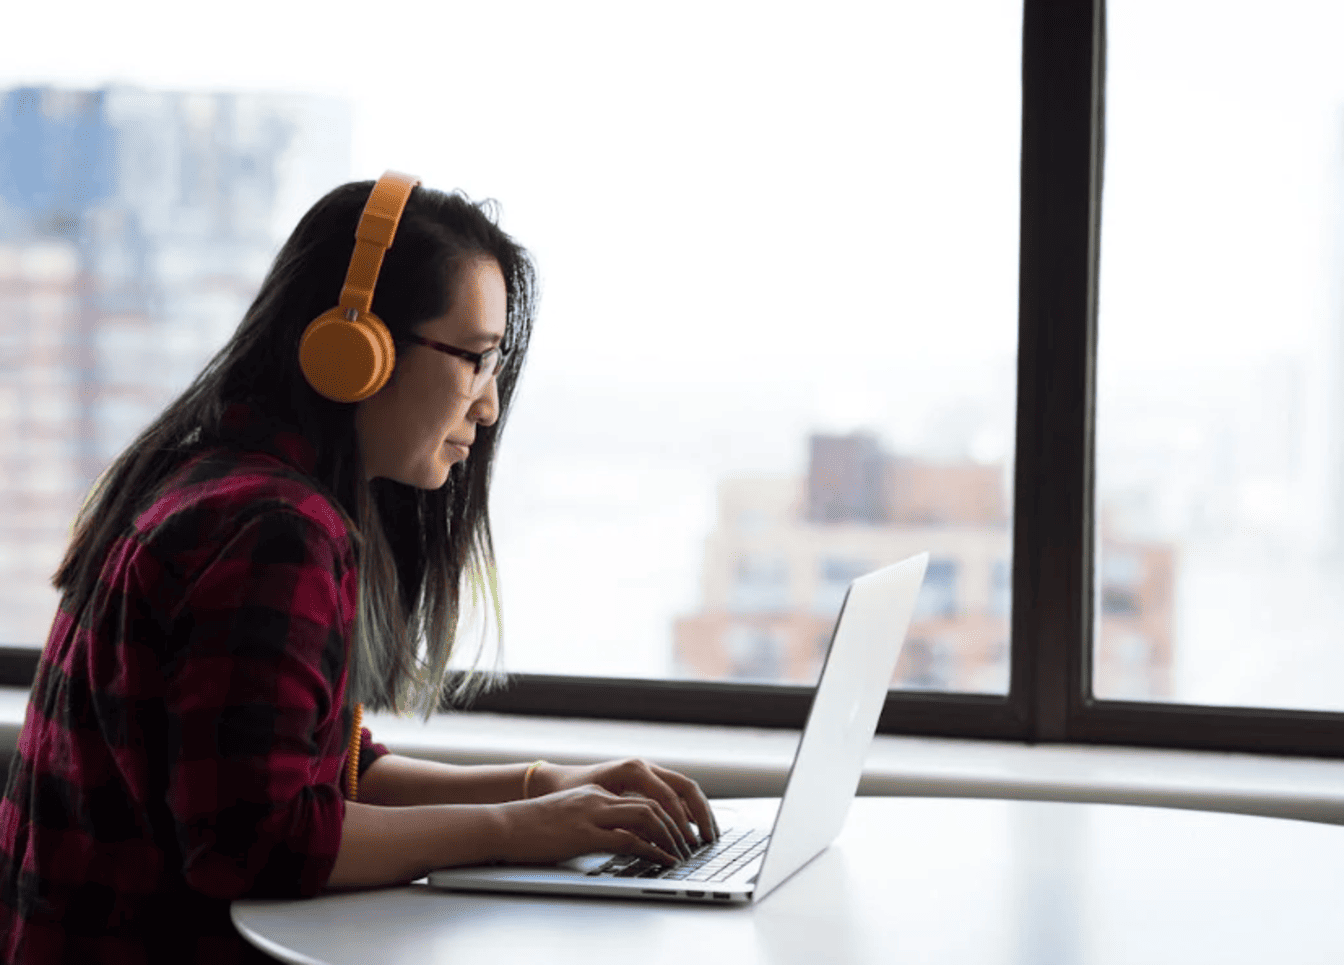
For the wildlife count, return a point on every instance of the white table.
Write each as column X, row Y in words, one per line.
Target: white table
column 908, row 880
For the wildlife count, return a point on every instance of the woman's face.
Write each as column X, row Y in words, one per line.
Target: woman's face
column 423, row 420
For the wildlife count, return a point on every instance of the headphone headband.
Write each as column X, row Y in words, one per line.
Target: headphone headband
column 377, row 227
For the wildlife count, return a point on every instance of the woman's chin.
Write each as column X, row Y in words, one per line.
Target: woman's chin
column 431, row 476
column 436, row 478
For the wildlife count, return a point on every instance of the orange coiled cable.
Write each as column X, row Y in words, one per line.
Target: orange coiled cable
column 352, row 762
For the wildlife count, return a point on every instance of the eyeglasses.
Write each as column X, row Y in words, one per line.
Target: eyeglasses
column 486, row 365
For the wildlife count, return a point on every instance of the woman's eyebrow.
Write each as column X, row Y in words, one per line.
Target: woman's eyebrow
column 485, row 338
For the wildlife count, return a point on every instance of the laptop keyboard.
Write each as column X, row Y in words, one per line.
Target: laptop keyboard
column 713, row 862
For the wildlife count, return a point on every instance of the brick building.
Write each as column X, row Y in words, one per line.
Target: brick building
column 784, row 549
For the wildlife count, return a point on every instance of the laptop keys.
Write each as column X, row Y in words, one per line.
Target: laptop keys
column 713, row 862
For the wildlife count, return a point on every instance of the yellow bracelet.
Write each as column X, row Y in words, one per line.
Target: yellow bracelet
column 527, row 776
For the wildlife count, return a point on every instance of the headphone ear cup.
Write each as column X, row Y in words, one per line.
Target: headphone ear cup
column 344, row 360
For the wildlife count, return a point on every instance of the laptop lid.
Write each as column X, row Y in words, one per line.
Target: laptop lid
column 851, row 690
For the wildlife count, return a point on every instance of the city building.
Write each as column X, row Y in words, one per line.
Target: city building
column 784, row 549
column 135, row 228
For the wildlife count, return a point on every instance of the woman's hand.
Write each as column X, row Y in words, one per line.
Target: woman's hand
column 679, row 798
column 584, row 819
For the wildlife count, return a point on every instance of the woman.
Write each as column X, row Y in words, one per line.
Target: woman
column 273, row 552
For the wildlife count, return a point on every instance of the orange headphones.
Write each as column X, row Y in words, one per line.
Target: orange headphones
column 346, row 353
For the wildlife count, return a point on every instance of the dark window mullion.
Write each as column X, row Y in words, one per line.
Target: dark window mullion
column 1061, row 152
column 737, row 704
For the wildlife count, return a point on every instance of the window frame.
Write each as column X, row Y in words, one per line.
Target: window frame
column 1050, row 695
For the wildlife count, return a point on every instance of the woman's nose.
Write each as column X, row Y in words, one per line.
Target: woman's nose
column 485, row 410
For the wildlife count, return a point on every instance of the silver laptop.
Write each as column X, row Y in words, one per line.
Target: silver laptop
column 747, row 863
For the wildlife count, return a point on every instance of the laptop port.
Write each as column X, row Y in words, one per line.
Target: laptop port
column 722, row 896
column 695, row 894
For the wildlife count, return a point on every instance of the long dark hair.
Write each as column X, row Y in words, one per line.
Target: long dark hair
column 416, row 548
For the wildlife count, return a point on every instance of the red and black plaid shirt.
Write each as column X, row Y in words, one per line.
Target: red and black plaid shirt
column 184, row 739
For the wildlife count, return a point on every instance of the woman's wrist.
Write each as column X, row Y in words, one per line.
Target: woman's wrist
column 533, row 785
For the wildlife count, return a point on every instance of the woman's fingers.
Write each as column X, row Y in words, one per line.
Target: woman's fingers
column 674, row 792
column 671, row 806
column 645, row 816
column 678, row 798
column 623, row 841
column 690, row 799
column 586, row 819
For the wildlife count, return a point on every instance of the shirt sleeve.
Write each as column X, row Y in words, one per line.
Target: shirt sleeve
column 253, row 708
column 368, row 750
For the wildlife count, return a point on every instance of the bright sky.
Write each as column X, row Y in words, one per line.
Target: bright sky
column 771, row 173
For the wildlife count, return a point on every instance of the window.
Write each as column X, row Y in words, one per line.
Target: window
column 1001, row 589
column 841, row 306
column 1121, row 583
column 925, row 664
column 755, row 653
column 1220, row 363
column 761, row 585
column 938, row 595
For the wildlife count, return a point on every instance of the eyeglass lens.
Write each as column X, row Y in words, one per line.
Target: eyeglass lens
column 486, row 370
